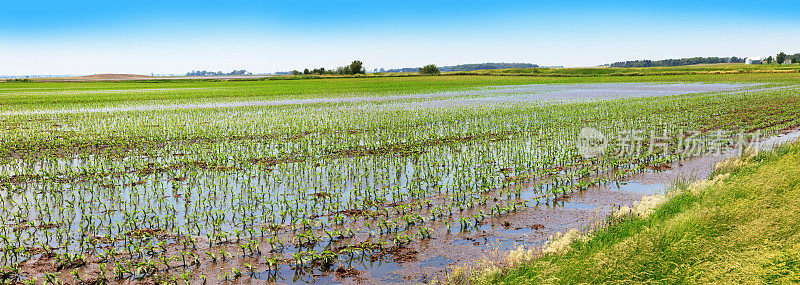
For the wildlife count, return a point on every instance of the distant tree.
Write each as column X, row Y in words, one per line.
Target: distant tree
column 795, row 60
column 296, row 72
column 218, row 73
column 677, row 62
column 343, row 70
column 769, row 60
column 356, row 67
column 306, row 71
column 780, row 58
column 469, row 67
column 429, row 69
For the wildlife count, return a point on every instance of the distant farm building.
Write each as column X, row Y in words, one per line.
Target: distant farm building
column 753, row 60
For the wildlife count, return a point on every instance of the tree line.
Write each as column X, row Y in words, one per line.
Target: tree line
column 782, row 57
column 355, row 67
column 677, row 62
column 217, row 73
column 471, row 67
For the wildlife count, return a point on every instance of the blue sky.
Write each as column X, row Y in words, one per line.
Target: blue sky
column 89, row 37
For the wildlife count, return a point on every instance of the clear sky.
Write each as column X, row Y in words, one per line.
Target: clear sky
column 164, row 36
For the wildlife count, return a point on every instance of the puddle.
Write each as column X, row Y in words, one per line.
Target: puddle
column 785, row 137
column 646, row 189
column 286, row 275
column 572, row 205
column 437, row 261
column 378, row 270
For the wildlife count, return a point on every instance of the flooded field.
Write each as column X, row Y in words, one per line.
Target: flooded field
column 389, row 188
column 486, row 95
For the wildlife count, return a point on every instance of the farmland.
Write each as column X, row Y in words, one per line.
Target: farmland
column 337, row 179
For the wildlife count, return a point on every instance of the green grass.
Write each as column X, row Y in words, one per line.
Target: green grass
column 743, row 230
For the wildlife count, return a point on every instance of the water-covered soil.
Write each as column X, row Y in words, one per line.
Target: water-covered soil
column 532, row 226
column 305, row 219
column 498, row 94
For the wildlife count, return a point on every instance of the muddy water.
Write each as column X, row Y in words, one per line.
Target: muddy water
column 531, row 227
column 496, row 94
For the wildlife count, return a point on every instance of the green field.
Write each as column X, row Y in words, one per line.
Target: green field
column 135, row 191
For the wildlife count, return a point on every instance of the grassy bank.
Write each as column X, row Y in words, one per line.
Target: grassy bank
column 740, row 227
